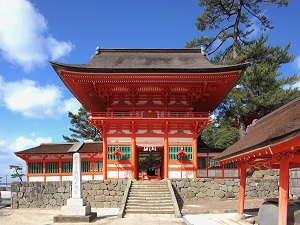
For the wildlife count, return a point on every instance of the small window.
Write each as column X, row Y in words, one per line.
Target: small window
column 230, row 165
column 98, row 166
column 51, row 167
column 202, row 163
column 67, row 167
column 85, row 166
column 213, row 164
column 35, row 167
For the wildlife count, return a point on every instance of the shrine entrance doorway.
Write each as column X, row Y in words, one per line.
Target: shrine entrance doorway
column 150, row 165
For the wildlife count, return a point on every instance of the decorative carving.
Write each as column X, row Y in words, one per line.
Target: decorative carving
column 133, row 93
column 286, row 155
column 105, row 95
column 166, row 95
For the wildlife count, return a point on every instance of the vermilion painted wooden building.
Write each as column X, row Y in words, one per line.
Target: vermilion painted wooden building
column 272, row 142
column 146, row 101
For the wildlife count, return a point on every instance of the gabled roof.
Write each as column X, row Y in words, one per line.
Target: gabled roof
column 151, row 60
column 279, row 126
column 62, row 148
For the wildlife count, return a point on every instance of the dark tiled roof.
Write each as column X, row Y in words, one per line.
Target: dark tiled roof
column 137, row 60
column 278, row 126
column 62, row 148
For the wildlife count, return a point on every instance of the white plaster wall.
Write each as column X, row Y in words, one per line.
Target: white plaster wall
column 65, row 178
column 122, row 174
column 38, row 178
column 52, row 178
column 98, row 177
column 181, row 140
column 87, row 177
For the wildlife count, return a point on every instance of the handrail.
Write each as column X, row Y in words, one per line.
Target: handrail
column 152, row 114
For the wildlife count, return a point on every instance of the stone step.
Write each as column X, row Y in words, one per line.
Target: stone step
column 149, row 204
column 150, row 192
column 145, row 215
column 154, row 201
column 150, row 207
column 152, row 211
column 149, row 187
column 149, row 196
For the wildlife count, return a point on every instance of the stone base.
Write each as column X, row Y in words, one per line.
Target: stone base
column 76, row 207
column 75, row 219
column 240, row 216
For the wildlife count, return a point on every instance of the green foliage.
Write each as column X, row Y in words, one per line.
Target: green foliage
column 149, row 160
column 232, row 20
column 219, row 136
column 18, row 171
column 261, row 89
column 82, row 129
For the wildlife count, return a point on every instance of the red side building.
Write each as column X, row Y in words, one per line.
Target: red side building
column 151, row 102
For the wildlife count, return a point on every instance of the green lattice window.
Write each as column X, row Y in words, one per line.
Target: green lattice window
column 174, row 149
column 125, row 149
column 51, row 167
column 98, row 166
column 35, row 167
column 230, row 165
column 85, row 166
column 67, row 167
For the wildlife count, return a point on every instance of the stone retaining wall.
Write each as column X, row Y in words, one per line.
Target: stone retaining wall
column 109, row 193
column 220, row 189
column 52, row 194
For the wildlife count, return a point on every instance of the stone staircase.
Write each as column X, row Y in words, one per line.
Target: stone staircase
column 149, row 197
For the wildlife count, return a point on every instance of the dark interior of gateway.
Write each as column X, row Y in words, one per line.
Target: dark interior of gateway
column 150, row 164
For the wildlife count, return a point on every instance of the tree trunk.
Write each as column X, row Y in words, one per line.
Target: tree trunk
column 242, row 126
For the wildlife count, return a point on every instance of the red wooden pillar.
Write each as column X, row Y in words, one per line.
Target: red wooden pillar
column 44, row 169
column 195, row 157
column 166, row 157
column 105, row 156
column 283, row 191
column 242, row 192
column 134, row 160
column 27, row 176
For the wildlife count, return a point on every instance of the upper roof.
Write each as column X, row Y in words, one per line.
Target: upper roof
column 154, row 60
column 113, row 75
column 276, row 127
column 62, row 148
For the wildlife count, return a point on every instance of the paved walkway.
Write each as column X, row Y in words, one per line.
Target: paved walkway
column 109, row 216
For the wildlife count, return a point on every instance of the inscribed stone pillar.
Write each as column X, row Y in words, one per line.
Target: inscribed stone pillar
column 77, row 180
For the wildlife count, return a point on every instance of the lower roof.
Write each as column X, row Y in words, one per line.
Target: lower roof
column 63, row 148
column 277, row 127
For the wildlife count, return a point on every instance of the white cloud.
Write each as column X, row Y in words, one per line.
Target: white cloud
column 7, row 156
column 297, row 63
column 35, row 101
column 23, row 36
column 23, row 143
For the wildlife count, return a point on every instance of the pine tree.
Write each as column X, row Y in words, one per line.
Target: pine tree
column 82, row 130
column 232, row 20
column 18, row 171
column 261, row 89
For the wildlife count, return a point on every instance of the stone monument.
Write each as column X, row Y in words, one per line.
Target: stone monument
column 77, row 209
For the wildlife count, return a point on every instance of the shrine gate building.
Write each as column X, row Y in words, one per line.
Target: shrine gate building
column 149, row 101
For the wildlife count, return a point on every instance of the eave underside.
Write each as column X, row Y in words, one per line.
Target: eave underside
column 129, row 92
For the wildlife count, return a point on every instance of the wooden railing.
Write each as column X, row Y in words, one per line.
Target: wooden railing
column 152, row 114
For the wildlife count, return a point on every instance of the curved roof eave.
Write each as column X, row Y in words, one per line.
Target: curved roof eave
column 83, row 68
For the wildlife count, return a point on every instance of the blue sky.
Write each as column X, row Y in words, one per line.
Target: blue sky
column 33, row 100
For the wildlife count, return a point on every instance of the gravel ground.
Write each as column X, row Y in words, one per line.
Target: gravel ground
column 228, row 206
column 23, row 216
